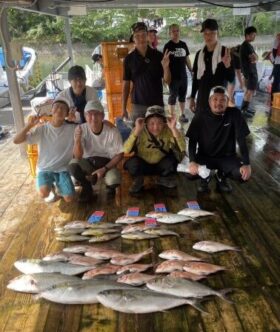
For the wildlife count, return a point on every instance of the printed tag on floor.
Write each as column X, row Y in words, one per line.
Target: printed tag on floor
column 160, row 207
column 193, row 205
column 133, row 212
column 151, row 222
column 96, row 217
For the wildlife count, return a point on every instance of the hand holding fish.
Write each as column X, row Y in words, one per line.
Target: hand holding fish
column 245, row 172
column 226, row 59
column 193, row 168
column 33, row 121
column 139, row 126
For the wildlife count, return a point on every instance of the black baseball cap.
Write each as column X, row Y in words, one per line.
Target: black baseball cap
column 139, row 26
column 210, row 24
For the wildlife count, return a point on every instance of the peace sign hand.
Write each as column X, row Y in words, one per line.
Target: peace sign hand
column 165, row 60
column 226, row 59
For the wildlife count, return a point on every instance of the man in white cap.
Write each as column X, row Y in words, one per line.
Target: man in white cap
column 98, row 148
column 212, row 142
column 55, row 140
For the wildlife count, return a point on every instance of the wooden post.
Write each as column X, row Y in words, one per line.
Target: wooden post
column 68, row 39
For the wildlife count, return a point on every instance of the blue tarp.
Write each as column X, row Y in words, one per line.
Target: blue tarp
column 23, row 61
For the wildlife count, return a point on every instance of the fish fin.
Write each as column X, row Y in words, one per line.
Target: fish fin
column 197, row 305
column 222, row 294
column 37, row 297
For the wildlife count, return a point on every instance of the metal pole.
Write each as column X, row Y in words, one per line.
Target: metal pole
column 12, row 79
column 68, row 39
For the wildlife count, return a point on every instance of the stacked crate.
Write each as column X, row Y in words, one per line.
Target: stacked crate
column 113, row 56
column 275, row 114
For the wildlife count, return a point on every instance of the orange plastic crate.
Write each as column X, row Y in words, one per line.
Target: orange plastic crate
column 114, row 102
column 114, row 53
column 276, row 100
column 113, row 80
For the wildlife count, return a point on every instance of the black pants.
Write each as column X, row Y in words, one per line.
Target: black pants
column 276, row 79
column 178, row 88
column 228, row 166
column 139, row 167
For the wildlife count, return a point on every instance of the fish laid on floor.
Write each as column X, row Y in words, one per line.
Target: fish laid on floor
column 59, row 257
column 170, row 266
column 140, row 301
column 103, row 254
column 77, row 224
column 28, row 266
column 126, row 259
column 202, row 268
column 129, row 219
column 187, row 275
column 70, row 231
column 80, row 248
column 37, row 282
column 102, row 270
column 139, row 236
column 195, row 213
column 71, row 238
column 134, row 228
column 83, row 292
column 104, row 238
column 100, row 231
column 212, row 246
column 134, row 268
column 184, row 288
column 172, row 218
column 177, row 254
column 83, row 260
column 161, row 232
column 136, row 278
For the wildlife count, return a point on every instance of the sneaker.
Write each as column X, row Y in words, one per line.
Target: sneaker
column 183, row 118
column 137, row 185
column 52, row 197
column 85, row 195
column 203, row 186
column 222, row 184
column 166, row 181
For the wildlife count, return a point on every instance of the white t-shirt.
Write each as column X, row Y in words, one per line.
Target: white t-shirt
column 90, row 95
column 55, row 146
column 106, row 144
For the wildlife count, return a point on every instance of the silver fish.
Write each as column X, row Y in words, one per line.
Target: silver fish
column 136, row 278
column 184, row 288
column 104, row 225
column 212, row 246
column 83, row 260
column 126, row 259
column 129, row 219
column 140, row 301
column 134, row 268
column 83, row 292
column 177, row 254
column 103, row 254
column 78, row 249
column 102, row 270
column 195, row 213
column 139, row 236
column 202, row 268
column 100, row 231
column 172, row 218
column 58, row 257
column 37, row 282
column 104, row 238
column 134, row 228
column 28, row 266
column 160, row 232
column 155, row 214
column 61, row 231
column 77, row 224
column 71, row 238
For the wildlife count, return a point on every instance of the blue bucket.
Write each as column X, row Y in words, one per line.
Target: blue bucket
column 238, row 98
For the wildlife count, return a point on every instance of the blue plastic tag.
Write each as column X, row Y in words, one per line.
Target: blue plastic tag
column 96, row 217
column 193, row 205
column 160, row 207
column 133, row 212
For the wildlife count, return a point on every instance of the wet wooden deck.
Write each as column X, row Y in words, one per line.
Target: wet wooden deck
column 248, row 218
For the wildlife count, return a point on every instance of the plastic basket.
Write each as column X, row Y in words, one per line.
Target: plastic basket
column 113, row 80
column 114, row 102
column 276, row 100
column 114, row 53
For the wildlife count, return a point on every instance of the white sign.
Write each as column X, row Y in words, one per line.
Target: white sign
column 242, row 11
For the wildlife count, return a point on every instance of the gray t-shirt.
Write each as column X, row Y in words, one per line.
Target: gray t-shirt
column 106, row 144
column 55, row 146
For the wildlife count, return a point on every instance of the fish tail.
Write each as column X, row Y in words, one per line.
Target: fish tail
column 148, row 251
column 197, row 305
column 223, row 294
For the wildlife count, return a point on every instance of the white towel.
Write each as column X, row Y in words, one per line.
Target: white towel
column 215, row 60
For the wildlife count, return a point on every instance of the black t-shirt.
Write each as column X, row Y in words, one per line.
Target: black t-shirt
column 247, row 67
column 179, row 52
column 146, row 74
column 235, row 57
column 216, row 135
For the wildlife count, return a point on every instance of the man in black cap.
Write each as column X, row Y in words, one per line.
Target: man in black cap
column 212, row 142
column 78, row 94
column 212, row 67
column 145, row 68
column 248, row 59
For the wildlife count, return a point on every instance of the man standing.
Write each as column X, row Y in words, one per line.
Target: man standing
column 179, row 58
column 144, row 67
column 249, row 58
column 276, row 66
column 212, row 67
column 98, row 149
column 212, row 142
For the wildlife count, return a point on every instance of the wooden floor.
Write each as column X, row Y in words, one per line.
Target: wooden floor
column 248, row 218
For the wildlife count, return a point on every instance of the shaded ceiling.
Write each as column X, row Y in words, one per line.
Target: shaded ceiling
column 81, row 7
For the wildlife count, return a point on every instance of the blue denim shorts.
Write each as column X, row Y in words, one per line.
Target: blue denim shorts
column 61, row 179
